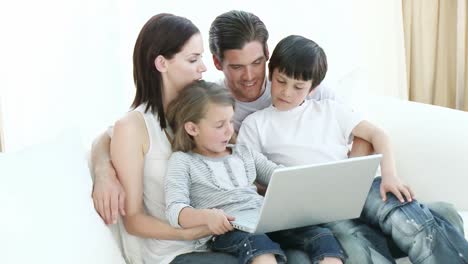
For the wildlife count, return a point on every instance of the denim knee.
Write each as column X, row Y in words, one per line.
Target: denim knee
column 316, row 241
column 246, row 246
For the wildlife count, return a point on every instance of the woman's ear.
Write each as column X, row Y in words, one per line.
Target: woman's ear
column 191, row 128
column 160, row 63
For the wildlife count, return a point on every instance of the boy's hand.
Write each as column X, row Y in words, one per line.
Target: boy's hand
column 395, row 186
column 218, row 221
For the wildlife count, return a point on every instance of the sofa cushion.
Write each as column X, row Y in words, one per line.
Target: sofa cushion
column 47, row 210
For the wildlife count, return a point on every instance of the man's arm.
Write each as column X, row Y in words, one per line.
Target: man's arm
column 108, row 194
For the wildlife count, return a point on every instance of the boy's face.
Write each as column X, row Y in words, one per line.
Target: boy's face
column 244, row 71
column 288, row 93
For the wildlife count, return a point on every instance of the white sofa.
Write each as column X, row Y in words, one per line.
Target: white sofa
column 47, row 213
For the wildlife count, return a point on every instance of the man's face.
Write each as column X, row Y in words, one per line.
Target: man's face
column 244, row 71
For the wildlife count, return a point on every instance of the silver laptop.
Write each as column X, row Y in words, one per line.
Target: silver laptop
column 312, row 194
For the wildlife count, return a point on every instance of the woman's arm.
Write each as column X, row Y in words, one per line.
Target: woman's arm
column 128, row 147
column 381, row 144
column 108, row 194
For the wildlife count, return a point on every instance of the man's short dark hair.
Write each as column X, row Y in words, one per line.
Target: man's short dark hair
column 234, row 29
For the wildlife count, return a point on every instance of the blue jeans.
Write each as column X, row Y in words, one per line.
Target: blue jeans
column 316, row 241
column 246, row 246
column 410, row 229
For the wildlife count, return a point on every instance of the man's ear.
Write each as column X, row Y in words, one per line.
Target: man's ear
column 160, row 63
column 217, row 63
column 191, row 128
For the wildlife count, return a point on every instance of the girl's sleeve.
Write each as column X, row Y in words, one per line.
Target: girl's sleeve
column 264, row 167
column 177, row 186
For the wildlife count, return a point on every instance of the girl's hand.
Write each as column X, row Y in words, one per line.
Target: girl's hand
column 399, row 189
column 218, row 222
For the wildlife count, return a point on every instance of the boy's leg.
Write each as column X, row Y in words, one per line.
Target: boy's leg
column 426, row 238
column 246, row 246
column 316, row 241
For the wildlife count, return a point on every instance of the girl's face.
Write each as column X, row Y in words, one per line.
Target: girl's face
column 187, row 65
column 288, row 93
column 213, row 132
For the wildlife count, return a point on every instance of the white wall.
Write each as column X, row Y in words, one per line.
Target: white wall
column 68, row 63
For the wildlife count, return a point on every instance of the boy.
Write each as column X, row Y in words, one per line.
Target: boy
column 296, row 131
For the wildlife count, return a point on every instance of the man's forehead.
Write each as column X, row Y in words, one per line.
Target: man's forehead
column 250, row 53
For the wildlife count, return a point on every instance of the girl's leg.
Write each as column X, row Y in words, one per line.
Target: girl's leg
column 206, row 258
column 316, row 241
column 248, row 247
column 425, row 237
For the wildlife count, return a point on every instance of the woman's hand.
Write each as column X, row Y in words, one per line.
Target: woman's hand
column 394, row 185
column 218, row 222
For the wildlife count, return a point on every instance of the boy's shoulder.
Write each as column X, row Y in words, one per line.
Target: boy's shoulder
column 258, row 115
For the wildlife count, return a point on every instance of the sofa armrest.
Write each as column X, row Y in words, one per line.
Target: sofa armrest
column 430, row 145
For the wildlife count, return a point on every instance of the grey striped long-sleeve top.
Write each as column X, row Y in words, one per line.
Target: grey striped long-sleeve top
column 193, row 180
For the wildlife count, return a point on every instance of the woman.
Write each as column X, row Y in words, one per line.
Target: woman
column 167, row 57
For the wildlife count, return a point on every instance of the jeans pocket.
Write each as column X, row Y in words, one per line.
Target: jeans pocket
column 411, row 218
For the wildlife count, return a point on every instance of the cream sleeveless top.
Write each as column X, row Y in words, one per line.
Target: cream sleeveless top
column 159, row 151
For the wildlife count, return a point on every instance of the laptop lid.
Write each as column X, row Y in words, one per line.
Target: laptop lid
column 315, row 194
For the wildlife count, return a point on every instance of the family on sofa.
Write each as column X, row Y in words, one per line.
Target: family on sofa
column 130, row 168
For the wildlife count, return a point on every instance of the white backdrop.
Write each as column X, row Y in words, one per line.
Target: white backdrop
column 68, row 63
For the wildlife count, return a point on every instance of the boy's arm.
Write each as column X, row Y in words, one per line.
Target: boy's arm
column 360, row 148
column 381, row 143
column 178, row 210
column 108, row 193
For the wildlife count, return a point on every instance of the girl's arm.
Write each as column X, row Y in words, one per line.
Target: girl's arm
column 179, row 212
column 128, row 147
column 381, row 143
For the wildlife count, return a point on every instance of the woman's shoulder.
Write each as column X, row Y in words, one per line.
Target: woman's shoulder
column 131, row 127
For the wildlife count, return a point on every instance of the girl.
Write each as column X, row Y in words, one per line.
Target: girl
column 208, row 180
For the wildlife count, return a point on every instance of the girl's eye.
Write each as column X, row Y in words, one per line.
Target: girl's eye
column 280, row 81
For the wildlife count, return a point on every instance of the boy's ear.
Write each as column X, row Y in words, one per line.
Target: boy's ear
column 191, row 128
column 217, row 63
column 160, row 63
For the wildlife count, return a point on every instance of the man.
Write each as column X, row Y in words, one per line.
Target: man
column 238, row 43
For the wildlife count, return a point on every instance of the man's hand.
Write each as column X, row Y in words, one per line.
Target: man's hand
column 395, row 186
column 218, row 221
column 108, row 195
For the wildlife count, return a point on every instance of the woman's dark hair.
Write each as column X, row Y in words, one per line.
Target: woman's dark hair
column 163, row 34
column 299, row 58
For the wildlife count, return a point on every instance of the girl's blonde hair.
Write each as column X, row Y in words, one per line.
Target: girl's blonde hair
column 191, row 105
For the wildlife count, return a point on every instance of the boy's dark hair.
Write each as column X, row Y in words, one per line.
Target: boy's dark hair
column 234, row 29
column 299, row 58
column 163, row 34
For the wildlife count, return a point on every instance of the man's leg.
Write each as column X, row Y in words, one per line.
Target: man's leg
column 425, row 237
column 362, row 243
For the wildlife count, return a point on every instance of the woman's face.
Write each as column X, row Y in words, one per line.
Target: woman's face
column 187, row 65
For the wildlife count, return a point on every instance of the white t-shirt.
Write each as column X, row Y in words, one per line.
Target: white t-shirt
column 243, row 109
column 314, row 132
